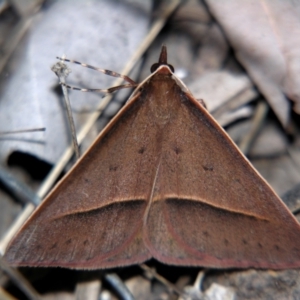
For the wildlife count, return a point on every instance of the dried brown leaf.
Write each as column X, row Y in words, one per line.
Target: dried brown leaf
column 265, row 36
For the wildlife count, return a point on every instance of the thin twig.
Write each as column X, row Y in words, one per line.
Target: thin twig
column 195, row 291
column 115, row 281
column 22, row 131
column 258, row 119
column 163, row 280
column 18, row 189
column 19, row 280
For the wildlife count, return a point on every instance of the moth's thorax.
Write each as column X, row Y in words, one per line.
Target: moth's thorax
column 162, row 90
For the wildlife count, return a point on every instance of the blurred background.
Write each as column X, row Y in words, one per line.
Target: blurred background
column 241, row 57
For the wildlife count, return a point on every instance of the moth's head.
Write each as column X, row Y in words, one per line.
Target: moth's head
column 162, row 61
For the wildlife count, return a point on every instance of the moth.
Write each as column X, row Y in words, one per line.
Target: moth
column 163, row 180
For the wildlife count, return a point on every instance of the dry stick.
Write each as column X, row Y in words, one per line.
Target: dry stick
column 17, row 188
column 195, row 291
column 199, row 280
column 243, row 97
column 258, row 119
column 62, row 71
column 115, row 281
column 23, row 131
column 294, row 157
column 57, row 169
column 163, row 280
column 19, row 280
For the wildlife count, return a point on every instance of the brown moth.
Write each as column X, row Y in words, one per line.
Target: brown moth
column 162, row 180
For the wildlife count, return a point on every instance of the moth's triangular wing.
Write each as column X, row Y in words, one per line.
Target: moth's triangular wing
column 94, row 217
column 210, row 207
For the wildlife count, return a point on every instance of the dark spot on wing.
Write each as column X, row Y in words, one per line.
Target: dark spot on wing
column 177, row 150
column 53, row 246
column 38, row 247
column 86, row 180
column 142, row 150
column 113, row 168
column 276, row 247
column 205, row 233
column 226, row 242
column 244, row 242
column 69, row 241
column 208, row 167
column 259, row 245
column 85, row 242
